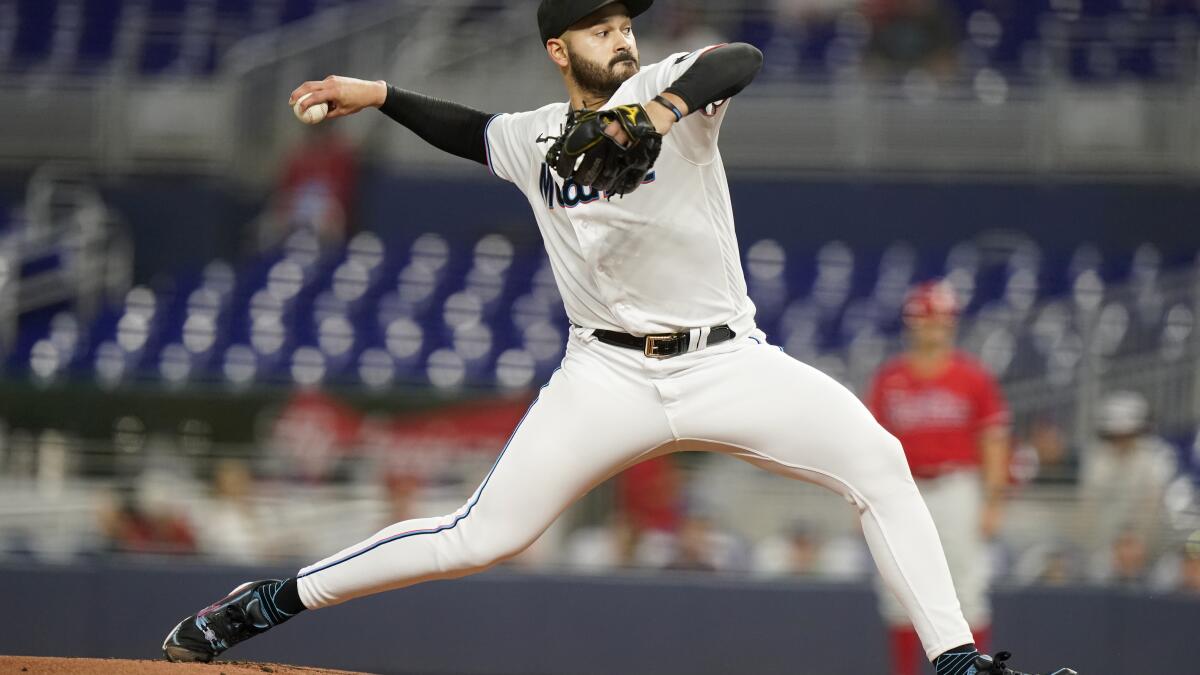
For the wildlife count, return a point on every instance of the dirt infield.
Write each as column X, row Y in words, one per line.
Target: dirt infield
column 42, row 665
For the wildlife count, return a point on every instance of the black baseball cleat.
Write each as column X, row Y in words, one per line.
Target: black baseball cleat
column 988, row 665
column 235, row 618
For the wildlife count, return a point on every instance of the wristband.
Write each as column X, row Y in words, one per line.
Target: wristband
column 664, row 102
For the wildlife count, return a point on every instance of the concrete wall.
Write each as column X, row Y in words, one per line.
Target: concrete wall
column 510, row 624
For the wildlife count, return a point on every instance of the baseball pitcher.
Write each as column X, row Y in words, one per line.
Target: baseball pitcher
column 627, row 185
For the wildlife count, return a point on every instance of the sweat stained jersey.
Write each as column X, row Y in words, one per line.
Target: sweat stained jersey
column 662, row 259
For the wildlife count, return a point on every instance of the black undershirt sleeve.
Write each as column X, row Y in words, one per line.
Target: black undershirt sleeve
column 718, row 75
column 447, row 126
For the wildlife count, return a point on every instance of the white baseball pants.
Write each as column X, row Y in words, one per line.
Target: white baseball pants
column 608, row 408
column 955, row 501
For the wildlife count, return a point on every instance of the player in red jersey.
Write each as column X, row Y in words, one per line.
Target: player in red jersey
column 950, row 415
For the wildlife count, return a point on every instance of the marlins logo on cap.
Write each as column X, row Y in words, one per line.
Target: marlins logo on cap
column 556, row 16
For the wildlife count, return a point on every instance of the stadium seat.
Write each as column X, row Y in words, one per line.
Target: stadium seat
column 35, row 31
column 1004, row 40
column 481, row 313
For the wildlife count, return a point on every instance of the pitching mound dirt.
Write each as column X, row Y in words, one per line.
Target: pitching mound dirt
column 41, row 665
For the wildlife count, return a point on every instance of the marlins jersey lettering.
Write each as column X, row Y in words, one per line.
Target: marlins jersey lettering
column 662, row 259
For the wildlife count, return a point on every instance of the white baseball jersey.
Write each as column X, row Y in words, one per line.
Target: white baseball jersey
column 662, row 259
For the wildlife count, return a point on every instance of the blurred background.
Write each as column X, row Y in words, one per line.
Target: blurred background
column 230, row 341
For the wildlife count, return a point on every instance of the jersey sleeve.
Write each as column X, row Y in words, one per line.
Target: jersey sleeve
column 991, row 408
column 697, row 134
column 510, row 141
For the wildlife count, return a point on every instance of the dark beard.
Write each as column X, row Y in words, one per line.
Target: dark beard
column 602, row 81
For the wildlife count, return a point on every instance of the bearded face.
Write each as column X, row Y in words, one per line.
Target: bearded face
column 603, row 78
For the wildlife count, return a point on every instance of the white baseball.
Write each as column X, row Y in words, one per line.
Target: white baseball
column 314, row 114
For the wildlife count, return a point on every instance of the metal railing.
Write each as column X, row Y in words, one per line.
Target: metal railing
column 62, row 499
column 1113, row 348
column 69, row 248
column 843, row 120
column 1057, row 358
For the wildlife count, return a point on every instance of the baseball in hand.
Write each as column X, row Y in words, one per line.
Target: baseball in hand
column 314, row 114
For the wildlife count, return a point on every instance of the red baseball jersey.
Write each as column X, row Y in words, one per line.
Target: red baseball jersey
column 939, row 419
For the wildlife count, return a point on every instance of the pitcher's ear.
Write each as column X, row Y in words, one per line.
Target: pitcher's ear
column 556, row 48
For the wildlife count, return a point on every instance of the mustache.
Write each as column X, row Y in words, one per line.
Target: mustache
column 621, row 58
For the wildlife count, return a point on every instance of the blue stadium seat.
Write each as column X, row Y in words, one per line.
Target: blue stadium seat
column 445, row 369
column 35, row 30
column 159, row 53
column 167, row 8
column 97, row 40
column 462, row 314
column 1002, row 35
column 294, row 10
column 376, row 369
column 240, row 365
column 515, row 369
column 234, row 9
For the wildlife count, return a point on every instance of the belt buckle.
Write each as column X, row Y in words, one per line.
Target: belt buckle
column 652, row 343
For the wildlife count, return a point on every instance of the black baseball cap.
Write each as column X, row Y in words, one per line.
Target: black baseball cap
column 556, row 16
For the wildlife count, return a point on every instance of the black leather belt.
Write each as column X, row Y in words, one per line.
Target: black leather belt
column 663, row 346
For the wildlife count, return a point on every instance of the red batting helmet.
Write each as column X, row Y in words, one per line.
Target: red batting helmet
column 931, row 298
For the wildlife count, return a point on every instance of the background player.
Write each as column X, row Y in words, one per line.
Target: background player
column 664, row 355
column 950, row 415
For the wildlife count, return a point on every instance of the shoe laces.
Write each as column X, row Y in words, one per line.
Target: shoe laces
column 235, row 622
column 995, row 665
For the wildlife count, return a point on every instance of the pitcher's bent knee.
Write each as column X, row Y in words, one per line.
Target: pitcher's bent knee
column 891, row 453
column 479, row 552
column 880, row 468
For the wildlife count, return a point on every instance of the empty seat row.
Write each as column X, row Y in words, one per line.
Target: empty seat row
column 485, row 309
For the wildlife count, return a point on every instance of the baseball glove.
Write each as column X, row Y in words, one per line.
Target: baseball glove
column 596, row 160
